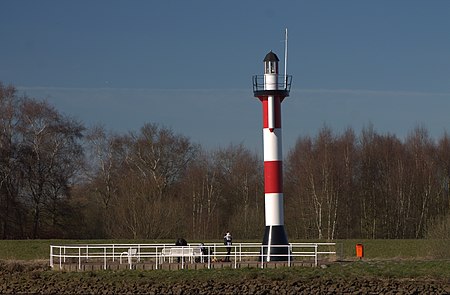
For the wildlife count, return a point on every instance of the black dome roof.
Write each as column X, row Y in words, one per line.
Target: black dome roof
column 271, row 57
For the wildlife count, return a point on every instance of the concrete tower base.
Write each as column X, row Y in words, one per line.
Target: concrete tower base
column 275, row 235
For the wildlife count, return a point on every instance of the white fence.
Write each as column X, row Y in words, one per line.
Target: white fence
column 208, row 253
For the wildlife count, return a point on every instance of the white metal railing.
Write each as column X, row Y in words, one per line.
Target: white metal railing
column 207, row 253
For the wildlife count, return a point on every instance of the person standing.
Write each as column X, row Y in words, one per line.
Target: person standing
column 227, row 240
column 180, row 242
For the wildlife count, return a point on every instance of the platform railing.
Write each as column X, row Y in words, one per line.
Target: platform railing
column 282, row 83
column 208, row 253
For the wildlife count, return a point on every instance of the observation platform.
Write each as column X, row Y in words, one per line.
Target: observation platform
column 280, row 88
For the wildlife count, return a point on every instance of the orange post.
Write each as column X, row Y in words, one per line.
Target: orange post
column 359, row 251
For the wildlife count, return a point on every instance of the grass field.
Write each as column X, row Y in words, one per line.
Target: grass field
column 373, row 249
column 404, row 260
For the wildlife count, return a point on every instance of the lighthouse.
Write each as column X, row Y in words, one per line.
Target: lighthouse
column 271, row 89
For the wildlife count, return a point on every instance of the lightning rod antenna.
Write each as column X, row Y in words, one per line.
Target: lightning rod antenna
column 285, row 57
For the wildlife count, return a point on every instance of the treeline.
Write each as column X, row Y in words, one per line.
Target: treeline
column 367, row 186
column 61, row 180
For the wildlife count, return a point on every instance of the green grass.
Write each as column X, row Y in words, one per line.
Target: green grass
column 40, row 249
column 387, row 249
column 373, row 249
column 24, row 249
column 383, row 259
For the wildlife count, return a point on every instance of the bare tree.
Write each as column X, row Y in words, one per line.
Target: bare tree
column 159, row 154
column 320, row 176
column 347, row 160
column 424, row 185
column 300, row 219
column 11, row 211
column 369, row 180
column 240, row 173
column 443, row 158
column 106, row 161
column 324, row 185
column 49, row 154
column 204, row 191
column 155, row 161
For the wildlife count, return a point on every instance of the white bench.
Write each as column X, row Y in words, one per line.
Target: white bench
column 181, row 252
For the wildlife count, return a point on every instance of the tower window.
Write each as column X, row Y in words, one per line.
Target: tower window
column 271, row 68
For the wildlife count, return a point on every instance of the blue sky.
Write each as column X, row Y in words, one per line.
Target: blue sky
column 187, row 65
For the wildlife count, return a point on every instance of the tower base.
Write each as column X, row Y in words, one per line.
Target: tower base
column 274, row 237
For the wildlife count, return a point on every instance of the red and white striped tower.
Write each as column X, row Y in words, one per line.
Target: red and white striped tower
column 271, row 89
